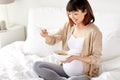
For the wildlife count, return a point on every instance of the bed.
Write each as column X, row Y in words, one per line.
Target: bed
column 17, row 58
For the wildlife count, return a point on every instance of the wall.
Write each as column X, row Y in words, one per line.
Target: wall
column 18, row 11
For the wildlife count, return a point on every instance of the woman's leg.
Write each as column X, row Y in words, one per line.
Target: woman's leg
column 81, row 77
column 49, row 71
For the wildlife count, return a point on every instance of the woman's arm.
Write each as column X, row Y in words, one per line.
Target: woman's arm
column 96, row 51
column 73, row 57
column 55, row 38
column 95, row 55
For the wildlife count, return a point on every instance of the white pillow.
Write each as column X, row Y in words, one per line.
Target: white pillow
column 111, row 46
column 35, row 44
column 110, row 65
column 49, row 18
column 110, row 26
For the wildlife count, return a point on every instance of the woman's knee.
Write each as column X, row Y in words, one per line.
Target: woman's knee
column 36, row 65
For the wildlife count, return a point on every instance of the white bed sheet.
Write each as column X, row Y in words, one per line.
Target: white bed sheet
column 110, row 75
column 14, row 65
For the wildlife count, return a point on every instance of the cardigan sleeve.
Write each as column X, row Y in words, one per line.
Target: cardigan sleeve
column 55, row 38
column 96, row 51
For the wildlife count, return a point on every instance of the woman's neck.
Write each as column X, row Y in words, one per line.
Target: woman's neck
column 80, row 26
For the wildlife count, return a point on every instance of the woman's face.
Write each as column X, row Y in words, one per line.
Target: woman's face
column 77, row 16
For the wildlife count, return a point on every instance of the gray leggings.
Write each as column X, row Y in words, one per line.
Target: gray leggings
column 50, row 71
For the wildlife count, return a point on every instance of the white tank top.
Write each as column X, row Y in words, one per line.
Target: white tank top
column 75, row 67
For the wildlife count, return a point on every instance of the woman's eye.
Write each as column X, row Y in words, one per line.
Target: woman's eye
column 75, row 13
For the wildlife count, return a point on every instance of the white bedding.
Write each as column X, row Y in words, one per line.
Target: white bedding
column 111, row 75
column 14, row 65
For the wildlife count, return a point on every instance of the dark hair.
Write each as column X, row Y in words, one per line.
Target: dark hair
column 75, row 5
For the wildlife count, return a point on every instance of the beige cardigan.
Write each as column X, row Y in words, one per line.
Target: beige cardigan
column 92, row 45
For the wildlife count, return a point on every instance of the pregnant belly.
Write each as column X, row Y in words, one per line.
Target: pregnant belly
column 73, row 68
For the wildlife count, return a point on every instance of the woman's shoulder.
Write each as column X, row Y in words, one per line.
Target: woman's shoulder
column 66, row 25
column 93, row 27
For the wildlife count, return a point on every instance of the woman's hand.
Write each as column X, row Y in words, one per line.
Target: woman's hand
column 71, row 58
column 44, row 33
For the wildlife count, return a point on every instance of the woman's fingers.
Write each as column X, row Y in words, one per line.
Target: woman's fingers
column 43, row 33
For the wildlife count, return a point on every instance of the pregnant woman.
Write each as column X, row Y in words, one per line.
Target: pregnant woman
column 81, row 38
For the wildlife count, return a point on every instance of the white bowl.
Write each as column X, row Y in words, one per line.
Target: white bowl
column 61, row 55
